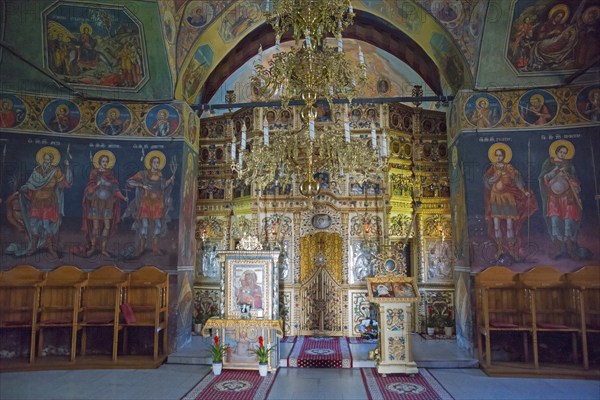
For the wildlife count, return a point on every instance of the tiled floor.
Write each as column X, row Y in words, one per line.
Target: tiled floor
column 453, row 369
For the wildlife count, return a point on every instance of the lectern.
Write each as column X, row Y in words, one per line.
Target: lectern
column 394, row 297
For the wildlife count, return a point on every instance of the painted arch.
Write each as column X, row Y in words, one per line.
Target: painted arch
column 417, row 38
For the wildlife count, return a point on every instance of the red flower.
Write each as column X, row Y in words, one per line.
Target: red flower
column 260, row 342
column 216, row 341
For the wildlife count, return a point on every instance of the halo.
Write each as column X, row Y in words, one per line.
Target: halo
column 162, row 111
column 586, row 17
column 115, row 110
column 107, row 153
column 85, row 25
column 537, row 96
column 592, row 93
column 39, row 156
column 62, row 109
column 7, row 100
column 496, row 146
column 557, row 8
column 162, row 160
column 485, row 101
column 562, row 142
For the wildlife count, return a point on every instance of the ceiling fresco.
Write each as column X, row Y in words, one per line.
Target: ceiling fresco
column 84, row 49
column 387, row 76
column 539, row 43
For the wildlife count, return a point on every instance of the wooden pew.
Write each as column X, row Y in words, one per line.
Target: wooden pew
column 500, row 307
column 60, row 303
column 146, row 305
column 551, row 306
column 586, row 284
column 102, row 298
column 19, row 301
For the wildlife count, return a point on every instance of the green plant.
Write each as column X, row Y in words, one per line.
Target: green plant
column 262, row 352
column 217, row 350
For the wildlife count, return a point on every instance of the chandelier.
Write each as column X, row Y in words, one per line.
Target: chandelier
column 310, row 71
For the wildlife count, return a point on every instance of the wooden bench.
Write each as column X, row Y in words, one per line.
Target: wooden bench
column 500, row 307
column 552, row 306
column 102, row 298
column 60, row 303
column 586, row 284
column 146, row 305
column 19, row 301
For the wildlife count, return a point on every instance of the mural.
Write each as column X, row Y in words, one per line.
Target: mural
column 102, row 47
column 537, row 107
column 61, row 116
column 553, row 35
column 194, row 73
column 113, row 119
column 163, row 120
column 531, row 203
column 87, row 118
column 237, row 20
column 12, row 111
column 483, row 111
column 188, row 207
column 588, row 103
column 197, row 17
column 88, row 202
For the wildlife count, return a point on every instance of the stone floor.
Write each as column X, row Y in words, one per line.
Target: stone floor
column 455, row 371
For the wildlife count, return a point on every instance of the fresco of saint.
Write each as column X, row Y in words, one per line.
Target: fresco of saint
column 101, row 207
column 153, row 203
column 562, row 206
column 42, row 203
column 508, row 202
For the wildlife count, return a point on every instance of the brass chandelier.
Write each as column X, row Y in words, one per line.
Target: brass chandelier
column 311, row 71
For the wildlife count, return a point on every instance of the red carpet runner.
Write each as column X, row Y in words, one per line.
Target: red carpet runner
column 325, row 352
column 399, row 386
column 232, row 384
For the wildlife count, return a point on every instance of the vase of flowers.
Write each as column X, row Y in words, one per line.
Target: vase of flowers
column 262, row 353
column 217, row 350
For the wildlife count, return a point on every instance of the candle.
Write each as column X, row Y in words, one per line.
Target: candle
column 373, row 136
column 260, row 54
column 340, row 44
column 266, row 132
column 243, row 143
column 232, row 151
column 384, row 146
column 308, row 43
column 347, row 130
column 240, row 159
column 277, row 45
column 311, row 129
column 361, row 56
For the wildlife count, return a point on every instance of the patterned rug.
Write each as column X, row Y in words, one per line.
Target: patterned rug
column 400, row 386
column 233, row 384
column 288, row 339
column 325, row 352
column 359, row 340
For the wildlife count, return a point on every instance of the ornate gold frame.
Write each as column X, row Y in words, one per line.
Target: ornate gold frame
column 235, row 269
column 392, row 281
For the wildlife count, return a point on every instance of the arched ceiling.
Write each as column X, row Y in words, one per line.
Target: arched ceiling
column 366, row 27
column 422, row 43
